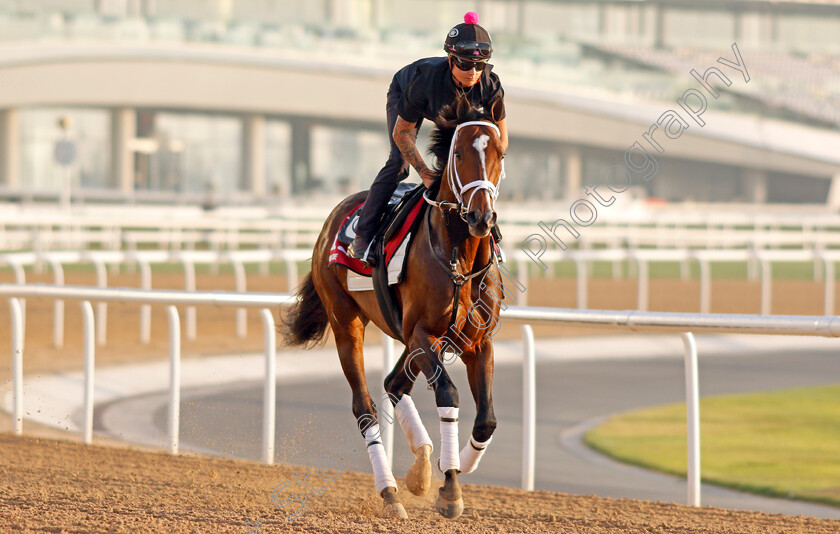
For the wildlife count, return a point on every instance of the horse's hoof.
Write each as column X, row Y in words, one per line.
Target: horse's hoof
column 394, row 511
column 418, row 480
column 450, row 509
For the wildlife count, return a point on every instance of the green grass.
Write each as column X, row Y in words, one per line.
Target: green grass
column 781, row 444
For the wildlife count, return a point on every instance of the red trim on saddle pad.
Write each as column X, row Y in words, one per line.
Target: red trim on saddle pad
column 338, row 254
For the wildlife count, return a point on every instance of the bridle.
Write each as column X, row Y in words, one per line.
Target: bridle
column 459, row 189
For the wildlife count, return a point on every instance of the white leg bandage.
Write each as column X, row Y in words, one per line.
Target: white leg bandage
column 471, row 454
column 449, row 439
column 382, row 476
column 411, row 424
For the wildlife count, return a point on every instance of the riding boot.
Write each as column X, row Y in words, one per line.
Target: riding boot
column 369, row 216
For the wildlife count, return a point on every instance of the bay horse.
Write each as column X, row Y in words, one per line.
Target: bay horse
column 440, row 291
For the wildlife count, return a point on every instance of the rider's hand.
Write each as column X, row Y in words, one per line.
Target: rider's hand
column 428, row 178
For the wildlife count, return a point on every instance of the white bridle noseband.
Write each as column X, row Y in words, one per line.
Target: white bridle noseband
column 458, row 188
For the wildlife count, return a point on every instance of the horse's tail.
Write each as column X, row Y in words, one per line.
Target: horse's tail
column 306, row 321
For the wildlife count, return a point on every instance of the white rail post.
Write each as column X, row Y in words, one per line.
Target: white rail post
column 644, row 284
column 233, row 238
column 145, row 309
column 766, row 287
column 189, row 285
column 17, row 364
column 215, row 246
column 285, row 236
column 58, row 305
column 270, row 388
column 89, row 348
column 37, row 246
column 101, row 307
column 20, row 274
column 174, row 377
column 818, row 270
column 291, row 274
column 685, row 269
column 241, row 313
column 829, row 287
column 386, row 422
column 692, row 406
column 752, row 268
column 529, row 408
column 582, row 282
column 522, row 277
column 631, row 268
column 115, row 267
column 265, row 265
column 20, row 278
column 705, row 286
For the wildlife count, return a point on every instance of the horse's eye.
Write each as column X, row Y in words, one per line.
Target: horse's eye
column 458, row 156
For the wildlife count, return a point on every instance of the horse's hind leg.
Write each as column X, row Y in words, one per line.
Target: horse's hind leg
column 398, row 385
column 349, row 330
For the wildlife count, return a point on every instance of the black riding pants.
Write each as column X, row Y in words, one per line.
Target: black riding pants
column 394, row 171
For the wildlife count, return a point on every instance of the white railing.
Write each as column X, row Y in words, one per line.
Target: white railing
column 188, row 259
column 41, row 236
column 178, row 227
column 170, row 298
column 760, row 261
column 686, row 324
column 683, row 323
column 173, row 227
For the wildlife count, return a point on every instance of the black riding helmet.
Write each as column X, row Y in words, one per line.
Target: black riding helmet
column 469, row 41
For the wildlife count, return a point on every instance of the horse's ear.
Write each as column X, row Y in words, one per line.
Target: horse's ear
column 497, row 110
column 462, row 107
column 442, row 122
column 447, row 116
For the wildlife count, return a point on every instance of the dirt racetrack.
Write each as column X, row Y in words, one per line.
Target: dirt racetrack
column 63, row 486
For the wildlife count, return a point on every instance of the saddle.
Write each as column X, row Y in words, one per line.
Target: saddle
column 389, row 250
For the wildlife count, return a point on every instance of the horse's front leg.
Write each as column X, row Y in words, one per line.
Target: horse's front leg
column 398, row 385
column 449, row 503
column 480, row 374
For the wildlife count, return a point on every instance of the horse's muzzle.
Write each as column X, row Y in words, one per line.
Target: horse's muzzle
column 481, row 222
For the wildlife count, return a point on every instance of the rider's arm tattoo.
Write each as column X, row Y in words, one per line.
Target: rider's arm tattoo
column 503, row 134
column 404, row 137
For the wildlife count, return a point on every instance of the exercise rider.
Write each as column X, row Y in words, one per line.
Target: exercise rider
column 421, row 90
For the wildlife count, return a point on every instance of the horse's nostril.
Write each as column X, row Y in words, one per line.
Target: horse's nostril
column 473, row 217
column 490, row 218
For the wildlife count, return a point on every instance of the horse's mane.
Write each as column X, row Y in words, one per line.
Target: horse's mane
column 447, row 120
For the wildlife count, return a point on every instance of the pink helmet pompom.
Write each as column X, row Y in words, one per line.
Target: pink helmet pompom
column 471, row 17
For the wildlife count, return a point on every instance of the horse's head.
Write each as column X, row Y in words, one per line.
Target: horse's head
column 473, row 163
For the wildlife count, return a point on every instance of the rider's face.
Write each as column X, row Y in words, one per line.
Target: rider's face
column 466, row 78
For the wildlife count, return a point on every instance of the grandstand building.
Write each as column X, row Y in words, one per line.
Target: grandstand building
column 233, row 100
